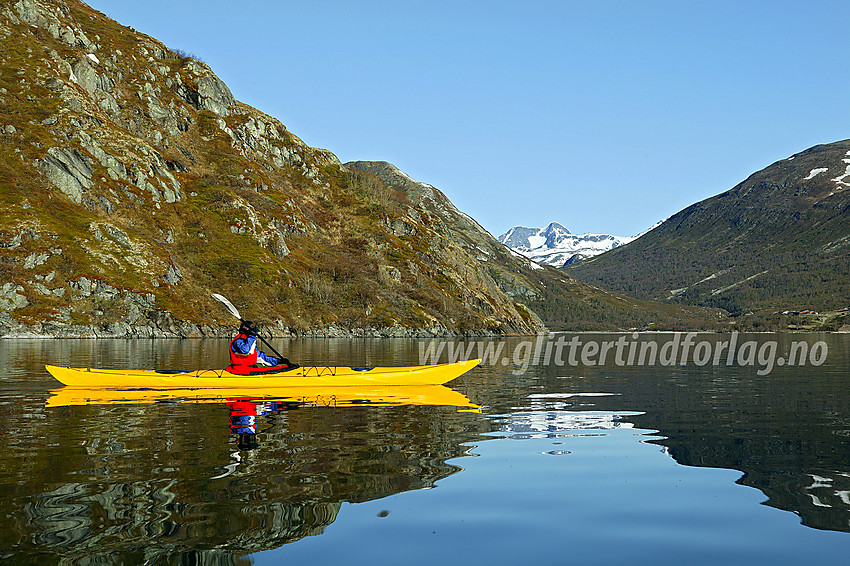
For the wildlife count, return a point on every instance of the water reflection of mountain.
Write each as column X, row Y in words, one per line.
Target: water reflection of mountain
column 551, row 423
column 144, row 523
column 789, row 433
column 801, row 467
column 167, row 483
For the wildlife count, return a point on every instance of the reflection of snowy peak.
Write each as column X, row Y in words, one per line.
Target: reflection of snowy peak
column 556, row 246
column 541, row 424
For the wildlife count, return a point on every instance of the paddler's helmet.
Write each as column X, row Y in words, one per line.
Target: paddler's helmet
column 248, row 327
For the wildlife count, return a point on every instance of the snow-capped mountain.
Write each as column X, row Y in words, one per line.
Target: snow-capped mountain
column 556, row 246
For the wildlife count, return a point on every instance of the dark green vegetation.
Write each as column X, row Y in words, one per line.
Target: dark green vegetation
column 133, row 184
column 779, row 241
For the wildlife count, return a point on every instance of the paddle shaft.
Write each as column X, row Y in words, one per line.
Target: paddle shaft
column 275, row 352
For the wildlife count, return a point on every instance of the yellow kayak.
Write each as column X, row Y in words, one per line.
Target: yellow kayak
column 302, row 396
column 298, row 377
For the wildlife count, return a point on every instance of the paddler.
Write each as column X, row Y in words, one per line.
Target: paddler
column 244, row 353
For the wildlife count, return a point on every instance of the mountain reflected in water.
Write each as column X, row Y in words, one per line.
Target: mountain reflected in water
column 796, row 453
column 206, row 483
column 788, row 432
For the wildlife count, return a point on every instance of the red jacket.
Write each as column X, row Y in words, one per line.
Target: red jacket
column 244, row 360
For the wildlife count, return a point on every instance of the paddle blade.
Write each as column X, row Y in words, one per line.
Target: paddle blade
column 228, row 304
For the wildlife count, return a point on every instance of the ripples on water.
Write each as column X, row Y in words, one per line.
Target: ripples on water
column 598, row 465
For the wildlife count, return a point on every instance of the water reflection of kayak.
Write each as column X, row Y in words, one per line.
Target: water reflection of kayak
column 302, row 396
column 267, row 377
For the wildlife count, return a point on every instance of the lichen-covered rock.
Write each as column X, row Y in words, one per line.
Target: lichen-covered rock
column 12, row 297
column 172, row 275
column 215, row 96
column 69, row 171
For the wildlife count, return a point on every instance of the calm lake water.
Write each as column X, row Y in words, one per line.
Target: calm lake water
column 564, row 463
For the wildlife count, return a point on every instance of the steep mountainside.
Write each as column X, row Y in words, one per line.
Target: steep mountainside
column 556, row 246
column 561, row 302
column 778, row 240
column 133, row 184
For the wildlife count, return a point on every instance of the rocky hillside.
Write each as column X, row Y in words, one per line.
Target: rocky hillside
column 133, row 185
column 780, row 240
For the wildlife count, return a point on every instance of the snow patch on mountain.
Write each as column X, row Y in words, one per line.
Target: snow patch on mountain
column 815, row 172
column 840, row 179
column 556, row 246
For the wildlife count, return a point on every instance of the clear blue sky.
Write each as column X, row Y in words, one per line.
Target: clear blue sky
column 605, row 116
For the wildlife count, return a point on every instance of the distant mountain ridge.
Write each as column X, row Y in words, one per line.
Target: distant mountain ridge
column 778, row 240
column 556, row 246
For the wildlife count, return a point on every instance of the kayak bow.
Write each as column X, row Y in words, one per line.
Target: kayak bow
column 298, row 377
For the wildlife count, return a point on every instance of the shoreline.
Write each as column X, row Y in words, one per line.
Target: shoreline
column 206, row 332
column 188, row 331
